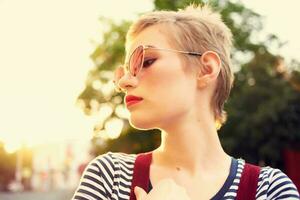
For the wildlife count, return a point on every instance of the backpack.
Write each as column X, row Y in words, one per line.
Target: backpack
column 247, row 186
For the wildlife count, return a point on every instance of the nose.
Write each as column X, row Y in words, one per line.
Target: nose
column 124, row 80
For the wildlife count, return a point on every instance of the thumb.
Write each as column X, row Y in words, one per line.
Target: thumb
column 139, row 193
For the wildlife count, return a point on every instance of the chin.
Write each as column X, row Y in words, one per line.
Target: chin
column 141, row 124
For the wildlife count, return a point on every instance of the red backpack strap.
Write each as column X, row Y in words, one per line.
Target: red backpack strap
column 141, row 173
column 248, row 182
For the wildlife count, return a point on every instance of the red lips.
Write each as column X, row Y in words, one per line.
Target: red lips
column 130, row 99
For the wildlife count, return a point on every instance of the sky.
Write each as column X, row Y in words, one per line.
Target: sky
column 280, row 18
column 44, row 60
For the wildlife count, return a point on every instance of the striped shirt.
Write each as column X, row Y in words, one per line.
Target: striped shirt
column 109, row 176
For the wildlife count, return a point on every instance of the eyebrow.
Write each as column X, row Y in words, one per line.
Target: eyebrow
column 150, row 46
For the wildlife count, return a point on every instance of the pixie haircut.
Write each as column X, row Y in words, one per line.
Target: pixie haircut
column 198, row 29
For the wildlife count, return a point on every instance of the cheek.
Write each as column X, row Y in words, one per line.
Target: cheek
column 169, row 92
column 167, row 96
column 165, row 82
column 163, row 77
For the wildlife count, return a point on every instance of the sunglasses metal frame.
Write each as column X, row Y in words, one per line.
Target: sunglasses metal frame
column 145, row 47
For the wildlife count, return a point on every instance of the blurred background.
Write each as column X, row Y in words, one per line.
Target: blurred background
column 59, row 109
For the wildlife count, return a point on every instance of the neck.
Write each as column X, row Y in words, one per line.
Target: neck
column 195, row 147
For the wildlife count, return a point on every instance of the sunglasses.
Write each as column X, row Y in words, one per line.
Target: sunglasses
column 140, row 58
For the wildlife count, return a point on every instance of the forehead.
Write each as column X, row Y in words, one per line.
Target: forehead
column 154, row 35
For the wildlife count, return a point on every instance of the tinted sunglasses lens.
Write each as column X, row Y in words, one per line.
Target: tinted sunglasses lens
column 136, row 60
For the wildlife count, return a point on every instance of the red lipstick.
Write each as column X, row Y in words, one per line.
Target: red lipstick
column 131, row 99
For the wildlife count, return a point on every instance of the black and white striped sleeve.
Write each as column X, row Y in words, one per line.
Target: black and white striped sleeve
column 276, row 185
column 96, row 182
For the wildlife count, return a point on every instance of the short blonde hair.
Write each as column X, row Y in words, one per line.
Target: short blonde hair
column 198, row 29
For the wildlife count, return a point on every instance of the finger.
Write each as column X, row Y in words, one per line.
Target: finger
column 139, row 193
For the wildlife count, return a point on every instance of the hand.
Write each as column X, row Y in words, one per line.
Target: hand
column 166, row 189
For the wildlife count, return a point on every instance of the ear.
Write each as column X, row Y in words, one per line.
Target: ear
column 210, row 68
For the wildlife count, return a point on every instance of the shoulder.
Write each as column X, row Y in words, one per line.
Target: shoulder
column 112, row 161
column 274, row 183
column 103, row 176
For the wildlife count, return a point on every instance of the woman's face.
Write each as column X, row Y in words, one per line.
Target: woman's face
column 168, row 92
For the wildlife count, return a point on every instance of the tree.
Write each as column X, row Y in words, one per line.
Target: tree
column 7, row 167
column 107, row 57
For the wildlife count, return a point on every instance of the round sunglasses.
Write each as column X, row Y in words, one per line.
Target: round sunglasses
column 137, row 61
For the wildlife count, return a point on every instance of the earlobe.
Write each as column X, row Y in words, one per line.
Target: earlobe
column 202, row 82
column 202, row 85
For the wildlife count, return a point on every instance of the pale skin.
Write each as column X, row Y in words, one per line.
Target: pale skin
column 178, row 104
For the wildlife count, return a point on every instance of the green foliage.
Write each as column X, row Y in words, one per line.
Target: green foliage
column 263, row 113
column 9, row 164
column 173, row 4
column 130, row 141
column 263, row 108
column 107, row 57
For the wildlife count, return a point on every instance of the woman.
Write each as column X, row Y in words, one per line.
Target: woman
column 177, row 77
